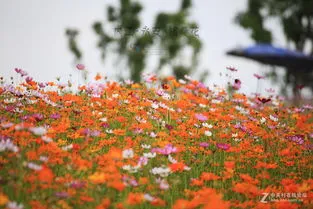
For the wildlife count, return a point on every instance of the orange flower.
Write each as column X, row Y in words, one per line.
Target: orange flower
column 229, row 164
column 247, row 189
column 98, row 77
column 45, row 175
column 158, row 202
column 209, row 176
column 98, row 178
column 86, row 199
column 32, row 155
column 119, row 132
column 216, row 202
column 181, row 204
column 105, row 204
column 177, row 167
column 115, row 153
column 248, row 179
column 134, row 198
column 118, row 185
column 37, row 205
column 143, row 180
column 196, row 182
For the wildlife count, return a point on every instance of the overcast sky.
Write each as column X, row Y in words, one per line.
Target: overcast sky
column 32, row 37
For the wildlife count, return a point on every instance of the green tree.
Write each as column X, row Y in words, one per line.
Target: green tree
column 296, row 18
column 172, row 33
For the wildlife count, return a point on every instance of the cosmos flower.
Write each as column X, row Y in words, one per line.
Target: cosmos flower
column 258, row 76
column 223, row 146
column 237, row 84
column 201, row 117
column 203, row 144
column 168, row 149
column 128, row 153
column 231, row 69
column 161, row 171
column 39, row 131
column 208, row 133
column 6, row 144
column 14, row 205
column 80, row 67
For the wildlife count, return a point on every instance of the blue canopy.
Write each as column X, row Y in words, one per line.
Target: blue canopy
column 262, row 49
column 268, row 54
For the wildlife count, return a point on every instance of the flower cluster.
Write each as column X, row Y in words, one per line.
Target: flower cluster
column 163, row 143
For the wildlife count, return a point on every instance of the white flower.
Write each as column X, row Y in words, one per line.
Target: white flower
column 163, row 105
column 131, row 169
column 273, row 118
column 149, row 155
column 8, row 145
column 43, row 158
column 215, row 101
column 242, row 110
column 171, row 159
column 186, row 168
column 34, row 166
column 237, row 139
column 11, row 100
column 202, row 105
column 140, row 120
column 103, row 119
column 166, row 96
column 19, row 127
column 262, row 120
column 164, row 185
column 154, row 106
column 14, row 205
column 6, row 125
column 162, row 171
column 68, row 147
column 114, row 95
column 46, row 139
column 128, row 153
column 126, row 167
column 187, row 77
column 109, row 131
column 276, row 103
column 181, row 81
column 148, row 197
column 18, row 110
column 146, row 146
column 208, row 133
column 39, row 131
column 207, row 125
column 234, row 135
column 153, row 135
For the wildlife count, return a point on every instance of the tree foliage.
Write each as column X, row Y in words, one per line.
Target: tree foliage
column 172, row 34
column 296, row 18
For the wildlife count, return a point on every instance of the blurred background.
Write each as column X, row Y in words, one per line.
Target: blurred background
column 124, row 38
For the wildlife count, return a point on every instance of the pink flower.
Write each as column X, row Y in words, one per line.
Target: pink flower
column 203, row 144
column 232, row 69
column 201, row 117
column 168, row 149
column 237, row 84
column 80, row 67
column 160, row 92
column 258, row 76
column 223, row 146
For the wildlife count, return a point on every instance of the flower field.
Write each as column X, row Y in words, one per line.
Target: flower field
column 158, row 144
